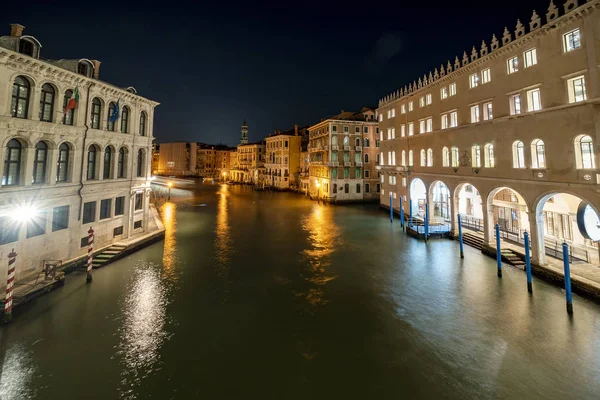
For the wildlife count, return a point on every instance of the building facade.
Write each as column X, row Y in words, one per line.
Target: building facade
column 250, row 163
column 178, row 159
column 63, row 173
column 338, row 160
column 507, row 134
column 282, row 165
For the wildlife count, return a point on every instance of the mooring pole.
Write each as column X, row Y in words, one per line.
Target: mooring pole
column 460, row 237
column 401, row 213
column 528, row 263
column 567, row 278
column 88, row 278
column 10, row 283
column 409, row 212
column 391, row 209
column 498, row 253
column 426, row 221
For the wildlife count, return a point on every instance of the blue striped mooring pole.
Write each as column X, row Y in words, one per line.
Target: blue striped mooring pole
column 460, row 238
column 401, row 213
column 498, row 253
column 567, row 278
column 391, row 210
column 528, row 263
column 426, row 221
column 409, row 212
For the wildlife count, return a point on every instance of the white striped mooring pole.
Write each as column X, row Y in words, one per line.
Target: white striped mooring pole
column 10, row 283
column 90, row 257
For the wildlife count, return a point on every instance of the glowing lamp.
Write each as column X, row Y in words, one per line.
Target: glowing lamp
column 170, row 184
column 24, row 213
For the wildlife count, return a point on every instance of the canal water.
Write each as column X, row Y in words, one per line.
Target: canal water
column 257, row 295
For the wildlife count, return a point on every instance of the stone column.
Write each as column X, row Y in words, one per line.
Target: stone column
column 27, row 172
column 488, row 223
column 51, row 168
column 538, row 250
column 100, row 162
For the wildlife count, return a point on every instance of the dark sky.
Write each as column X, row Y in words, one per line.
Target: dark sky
column 273, row 64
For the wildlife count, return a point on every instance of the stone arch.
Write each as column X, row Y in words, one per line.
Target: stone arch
column 417, row 196
column 467, row 202
column 440, row 200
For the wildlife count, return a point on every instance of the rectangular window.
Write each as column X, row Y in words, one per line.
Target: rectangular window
column 137, row 224
column 365, row 130
column 403, row 109
column 411, row 128
column 530, row 58
column 105, row 208
column 380, row 119
column 444, row 123
column 89, row 212
column 452, row 89
column 515, row 104
column 429, row 127
column 393, row 133
column 410, row 106
column 36, row 226
column 422, row 126
column 120, row 205
column 453, row 119
column 572, row 40
column 443, row 93
column 389, row 114
column 474, row 114
column 473, row 80
column 576, row 89
column 534, row 101
column 139, row 201
column 389, row 133
column 486, row 75
column 60, row 218
column 428, row 98
column 487, row 111
column 422, row 102
column 402, row 130
column 393, row 112
column 367, row 173
column 118, row 231
column 367, row 188
column 358, row 188
column 512, row 65
column 9, row 231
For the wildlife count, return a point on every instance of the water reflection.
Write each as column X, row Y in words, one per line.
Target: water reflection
column 17, row 373
column 324, row 239
column 169, row 261
column 223, row 241
column 143, row 331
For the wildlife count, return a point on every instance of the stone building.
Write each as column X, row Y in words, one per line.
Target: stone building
column 342, row 166
column 63, row 173
column 155, row 157
column 250, row 163
column 178, row 159
column 212, row 161
column 506, row 134
column 282, row 165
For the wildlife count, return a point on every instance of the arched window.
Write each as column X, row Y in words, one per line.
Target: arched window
column 96, row 113
column 47, row 103
column 455, row 157
column 489, row 155
column 518, row 149
column 366, row 158
column 366, row 142
column 110, row 125
column 26, row 47
column 143, row 118
column 39, row 162
column 62, row 163
column 68, row 116
column 346, row 141
column 21, row 91
column 476, row 156
column 538, row 154
column 403, row 158
column 12, row 163
column 334, row 173
column 85, row 68
column 107, row 163
column 357, row 142
column 92, row 162
column 334, row 188
column 584, row 152
column 377, row 157
column 429, row 158
column 410, row 158
column 389, row 158
column 393, row 158
column 423, row 158
column 445, row 157
column 121, row 162
column 140, row 163
column 124, row 119
column 346, row 188
column 334, row 140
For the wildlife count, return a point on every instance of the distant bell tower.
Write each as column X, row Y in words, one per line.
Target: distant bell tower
column 244, row 139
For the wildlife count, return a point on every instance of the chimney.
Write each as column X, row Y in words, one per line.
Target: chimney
column 16, row 30
column 96, row 68
column 296, row 129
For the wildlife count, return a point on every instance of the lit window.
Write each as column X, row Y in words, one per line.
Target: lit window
column 453, row 119
column 422, row 126
column 389, row 133
column 572, row 40
column 489, row 155
column 393, row 112
column 403, row 181
column 486, row 76
column 429, row 158
column 487, row 111
column 534, row 100
column 443, row 93
column 380, row 119
column 402, row 130
column 422, row 102
column 538, row 154
column 429, row 123
column 530, row 58
column 403, row 158
column 389, row 112
column 452, row 89
column 476, row 156
column 513, row 65
column 403, row 109
column 428, row 98
column 473, row 80
column 423, row 158
column 576, row 88
column 455, row 156
column 474, row 114
column 444, row 121
column 515, row 104
column 518, row 154
column 445, row 157
column 410, row 158
column 584, row 152
column 410, row 106
column 411, row 129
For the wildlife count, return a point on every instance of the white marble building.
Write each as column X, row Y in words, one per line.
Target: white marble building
column 67, row 172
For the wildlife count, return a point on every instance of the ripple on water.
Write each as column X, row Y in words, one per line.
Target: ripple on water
column 17, row 373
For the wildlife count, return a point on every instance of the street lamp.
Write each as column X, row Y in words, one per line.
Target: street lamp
column 24, row 213
column 170, row 185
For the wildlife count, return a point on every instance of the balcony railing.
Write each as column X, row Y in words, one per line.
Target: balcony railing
column 335, row 147
column 358, row 148
column 347, row 164
column 347, row 148
column 333, row 163
column 359, row 163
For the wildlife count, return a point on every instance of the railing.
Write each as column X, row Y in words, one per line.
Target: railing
column 358, row 148
column 554, row 249
column 475, row 224
column 335, row 147
column 347, row 164
column 347, row 148
column 359, row 163
column 333, row 164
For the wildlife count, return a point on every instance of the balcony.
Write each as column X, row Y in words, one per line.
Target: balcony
column 347, row 164
column 347, row 148
column 359, row 163
column 358, row 148
column 335, row 147
column 333, row 164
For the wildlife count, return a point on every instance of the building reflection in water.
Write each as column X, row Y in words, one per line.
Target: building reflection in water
column 223, row 241
column 17, row 373
column 323, row 238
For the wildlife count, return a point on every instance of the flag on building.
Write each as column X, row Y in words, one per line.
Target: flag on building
column 73, row 101
column 115, row 113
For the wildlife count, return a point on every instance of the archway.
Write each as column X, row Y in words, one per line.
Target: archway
column 563, row 217
column 440, row 206
column 507, row 208
column 468, row 200
column 418, row 197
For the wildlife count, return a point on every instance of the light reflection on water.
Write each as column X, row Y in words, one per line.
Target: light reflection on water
column 170, row 260
column 17, row 373
column 223, row 241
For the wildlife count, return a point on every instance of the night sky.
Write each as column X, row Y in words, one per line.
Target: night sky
column 212, row 66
